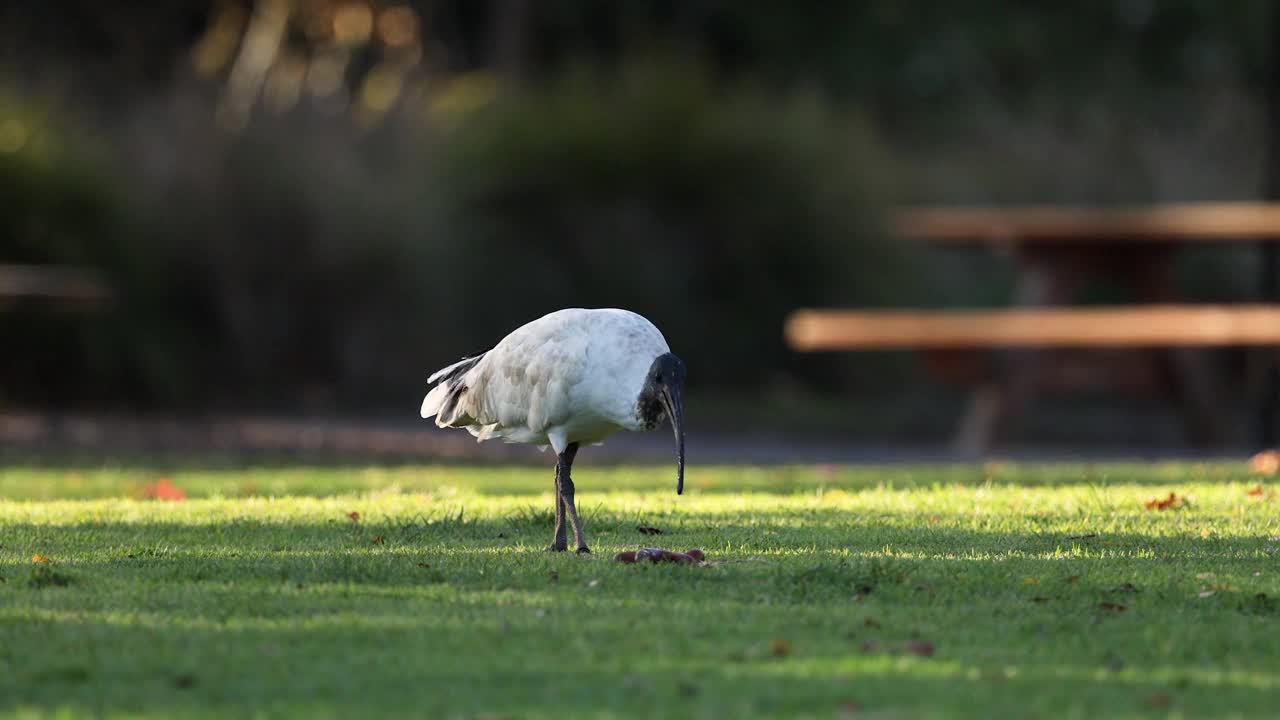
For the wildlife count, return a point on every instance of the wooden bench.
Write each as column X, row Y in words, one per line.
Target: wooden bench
column 1115, row 327
column 52, row 283
column 1055, row 250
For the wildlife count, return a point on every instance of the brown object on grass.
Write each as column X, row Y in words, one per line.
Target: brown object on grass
column 657, row 555
column 660, row 555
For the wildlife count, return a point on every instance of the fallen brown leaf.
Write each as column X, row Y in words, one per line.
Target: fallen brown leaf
column 1173, row 501
column 657, row 555
column 1266, row 462
column 918, row 647
column 779, row 647
column 163, row 489
column 1255, row 491
column 38, row 558
column 849, row 707
column 353, row 516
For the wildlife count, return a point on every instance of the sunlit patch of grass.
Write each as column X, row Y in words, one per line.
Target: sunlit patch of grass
column 990, row 591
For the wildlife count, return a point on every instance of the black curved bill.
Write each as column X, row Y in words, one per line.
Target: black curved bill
column 673, row 402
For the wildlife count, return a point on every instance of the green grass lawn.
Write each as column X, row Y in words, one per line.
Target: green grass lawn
column 996, row 591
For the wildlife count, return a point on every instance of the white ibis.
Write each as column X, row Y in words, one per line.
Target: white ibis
column 573, row 376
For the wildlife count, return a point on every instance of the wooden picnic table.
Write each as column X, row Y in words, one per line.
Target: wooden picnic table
column 1192, row 222
column 56, row 283
column 1056, row 251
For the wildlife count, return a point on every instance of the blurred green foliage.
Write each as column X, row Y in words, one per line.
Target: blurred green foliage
column 712, row 211
column 709, row 164
column 300, row 268
column 61, row 206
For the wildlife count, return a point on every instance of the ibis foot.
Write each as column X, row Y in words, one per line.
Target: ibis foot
column 584, row 550
column 557, row 547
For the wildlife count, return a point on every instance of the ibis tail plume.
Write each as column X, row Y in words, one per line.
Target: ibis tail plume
column 571, row 377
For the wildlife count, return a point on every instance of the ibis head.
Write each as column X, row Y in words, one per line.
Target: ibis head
column 663, row 397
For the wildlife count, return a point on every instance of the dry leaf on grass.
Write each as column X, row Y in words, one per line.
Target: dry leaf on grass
column 163, row 489
column 1266, row 462
column 1171, row 502
column 1125, row 588
column 918, row 647
column 849, row 707
column 38, row 558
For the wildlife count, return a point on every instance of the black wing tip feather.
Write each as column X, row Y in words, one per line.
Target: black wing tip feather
column 463, row 366
column 448, row 415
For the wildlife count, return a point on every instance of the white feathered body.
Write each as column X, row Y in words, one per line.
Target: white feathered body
column 570, row 376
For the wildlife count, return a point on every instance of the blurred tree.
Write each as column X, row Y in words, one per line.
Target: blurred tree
column 369, row 163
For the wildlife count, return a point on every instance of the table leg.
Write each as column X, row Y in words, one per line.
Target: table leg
column 1186, row 369
column 1270, row 401
column 1017, row 373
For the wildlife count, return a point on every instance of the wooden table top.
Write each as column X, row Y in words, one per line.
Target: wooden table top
column 1182, row 223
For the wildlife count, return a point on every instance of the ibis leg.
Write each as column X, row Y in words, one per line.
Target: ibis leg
column 566, row 494
column 560, row 542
